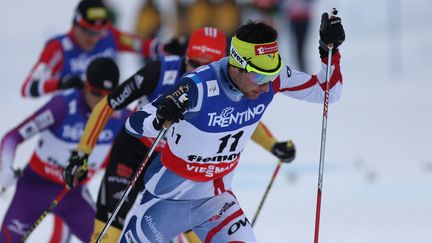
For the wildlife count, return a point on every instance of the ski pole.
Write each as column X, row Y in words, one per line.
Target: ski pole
column 266, row 192
column 132, row 183
column 45, row 213
column 323, row 136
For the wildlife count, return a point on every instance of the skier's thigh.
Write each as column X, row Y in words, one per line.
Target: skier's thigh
column 152, row 219
column 222, row 220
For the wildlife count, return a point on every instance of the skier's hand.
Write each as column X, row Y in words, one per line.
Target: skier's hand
column 8, row 177
column 76, row 170
column 171, row 110
column 285, row 151
column 70, row 82
column 331, row 32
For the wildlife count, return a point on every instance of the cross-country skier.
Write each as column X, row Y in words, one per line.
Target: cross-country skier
column 213, row 113
column 205, row 45
column 63, row 60
column 59, row 123
column 65, row 57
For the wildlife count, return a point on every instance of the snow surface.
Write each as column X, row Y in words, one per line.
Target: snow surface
column 378, row 168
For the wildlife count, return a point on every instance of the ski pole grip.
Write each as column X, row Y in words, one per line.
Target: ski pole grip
column 332, row 15
column 167, row 124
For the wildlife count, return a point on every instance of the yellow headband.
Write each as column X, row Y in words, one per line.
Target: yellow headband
column 97, row 13
column 259, row 58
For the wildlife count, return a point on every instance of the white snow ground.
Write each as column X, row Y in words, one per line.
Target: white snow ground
column 378, row 168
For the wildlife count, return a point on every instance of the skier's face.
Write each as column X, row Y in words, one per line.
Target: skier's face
column 92, row 95
column 92, row 98
column 246, row 82
column 86, row 38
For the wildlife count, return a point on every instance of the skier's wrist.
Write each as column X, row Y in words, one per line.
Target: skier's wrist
column 324, row 51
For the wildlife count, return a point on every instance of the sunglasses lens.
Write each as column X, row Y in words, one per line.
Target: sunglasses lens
column 91, row 32
column 260, row 79
column 97, row 94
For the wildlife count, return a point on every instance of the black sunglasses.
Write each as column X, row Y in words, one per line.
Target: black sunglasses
column 95, row 91
column 91, row 32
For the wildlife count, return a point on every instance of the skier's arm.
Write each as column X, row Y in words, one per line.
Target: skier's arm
column 182, row 101
column 45, row 75
column 308, row 87
column 263, row 137
column 133, row 43
column 47, row 116
column 284, row 151
column 141, row 83
column 151, row 47
column 312, row 87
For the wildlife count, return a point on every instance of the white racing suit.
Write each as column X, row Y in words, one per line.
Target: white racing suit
column 188, row 185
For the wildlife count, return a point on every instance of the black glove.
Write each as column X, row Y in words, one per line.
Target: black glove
column 76, row 170
column 331, row 31
column 176, row 46
column 171, row 109
column 70, row 82
column 285, row 151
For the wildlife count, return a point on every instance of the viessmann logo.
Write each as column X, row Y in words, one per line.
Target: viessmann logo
column 228, row 117
column 210, row 170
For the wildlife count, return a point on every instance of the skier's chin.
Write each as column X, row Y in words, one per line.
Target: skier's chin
column 252, row 95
